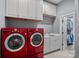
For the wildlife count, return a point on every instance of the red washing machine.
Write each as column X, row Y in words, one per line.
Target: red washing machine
column 14, row 43
column 35, row 43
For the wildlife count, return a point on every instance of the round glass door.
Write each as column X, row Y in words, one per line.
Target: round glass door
column 14, row 42
column 36, row 39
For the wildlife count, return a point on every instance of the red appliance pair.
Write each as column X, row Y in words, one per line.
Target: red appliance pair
column 22, row 43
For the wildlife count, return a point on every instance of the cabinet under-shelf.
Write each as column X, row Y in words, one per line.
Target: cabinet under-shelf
column 17, row 18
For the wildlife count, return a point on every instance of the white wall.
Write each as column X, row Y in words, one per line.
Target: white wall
column 47, row 24
column 63, row 8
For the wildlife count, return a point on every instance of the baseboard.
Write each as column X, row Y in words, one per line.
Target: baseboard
column 52, row 52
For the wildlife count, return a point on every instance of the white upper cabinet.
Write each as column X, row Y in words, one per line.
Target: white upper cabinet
column 49, row 9
column 31, row 9
column 12, row 8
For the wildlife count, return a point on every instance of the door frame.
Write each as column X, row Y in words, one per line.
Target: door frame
column 61, row 24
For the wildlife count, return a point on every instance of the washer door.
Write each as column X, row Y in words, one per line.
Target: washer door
column 14, row 42
column 36, row 39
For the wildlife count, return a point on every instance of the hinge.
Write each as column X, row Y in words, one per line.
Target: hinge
column 62, row 20
column 62, row 32
column 62, row 44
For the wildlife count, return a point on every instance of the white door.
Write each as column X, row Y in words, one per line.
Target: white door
column 12, row 8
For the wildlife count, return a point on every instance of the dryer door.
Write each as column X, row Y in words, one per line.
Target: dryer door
column 14, row 42
column 36, row 39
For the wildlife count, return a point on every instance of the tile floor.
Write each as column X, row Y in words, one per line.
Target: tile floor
column 69, row 52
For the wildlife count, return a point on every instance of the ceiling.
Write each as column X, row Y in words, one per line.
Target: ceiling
column 54, row 1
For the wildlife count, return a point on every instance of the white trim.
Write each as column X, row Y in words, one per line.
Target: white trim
column 6, row 41
column 33, row 36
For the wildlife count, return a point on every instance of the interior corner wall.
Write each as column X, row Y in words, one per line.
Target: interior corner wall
column 77, row 29
column 63, row 7
column 2, row 13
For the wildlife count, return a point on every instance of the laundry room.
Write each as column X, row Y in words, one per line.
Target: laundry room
column 39, row 28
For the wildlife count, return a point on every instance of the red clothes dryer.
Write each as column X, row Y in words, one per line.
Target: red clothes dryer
column 14, row 43
column 35, row 43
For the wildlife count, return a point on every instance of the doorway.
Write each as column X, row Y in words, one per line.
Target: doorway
column 68, row 32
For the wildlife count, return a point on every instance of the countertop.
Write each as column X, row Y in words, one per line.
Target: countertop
column 51, row 34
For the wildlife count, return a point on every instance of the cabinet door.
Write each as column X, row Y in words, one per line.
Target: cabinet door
column 12, row 8
column 52, row 43
column 35, row 9
column 58, row 42
column 23, row 8
column 52, row 10
column 47, row 44
column 49, row 9
column 39, row 9
column 32, row 9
